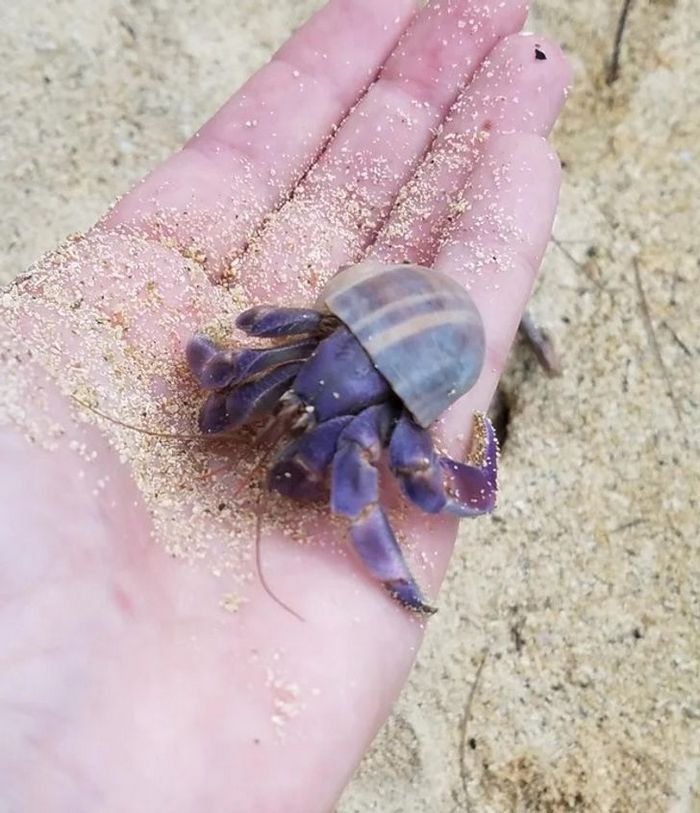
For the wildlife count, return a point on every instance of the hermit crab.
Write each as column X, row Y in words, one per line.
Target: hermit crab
column 385, row 351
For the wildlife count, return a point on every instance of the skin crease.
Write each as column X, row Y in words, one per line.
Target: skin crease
column 125, row 687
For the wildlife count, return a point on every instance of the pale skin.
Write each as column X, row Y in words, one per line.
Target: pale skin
column 125, row 686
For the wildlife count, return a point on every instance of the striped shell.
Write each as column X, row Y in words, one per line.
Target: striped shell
column 420, row 328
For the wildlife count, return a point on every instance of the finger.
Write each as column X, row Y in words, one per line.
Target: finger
column 497, row 246
column 495, row 249
column 520, row 87
column 347, row 195
column 513, row 90
column 244, row 161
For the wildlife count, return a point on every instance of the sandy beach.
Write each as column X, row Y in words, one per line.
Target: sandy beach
column 562, row 672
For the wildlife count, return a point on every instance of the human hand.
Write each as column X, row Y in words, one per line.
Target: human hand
column 127, row 685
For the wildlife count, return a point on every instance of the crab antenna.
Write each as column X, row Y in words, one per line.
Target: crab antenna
column 258, row 565
column 142, row 429
column 256, row 468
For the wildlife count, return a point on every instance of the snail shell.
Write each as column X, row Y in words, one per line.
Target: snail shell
column 421, row 329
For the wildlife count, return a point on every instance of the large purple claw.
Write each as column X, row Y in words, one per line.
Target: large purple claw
column 355, row 494
column 223, row 411
column 472, row 488
column 268, row 321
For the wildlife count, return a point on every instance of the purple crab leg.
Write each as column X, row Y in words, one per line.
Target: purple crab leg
column 216, row 368
column 472, row 488
column 299, row 472
column 355, row 494
column 438, row 484
column 269, row 321
column 415, row 465
column 223, row 411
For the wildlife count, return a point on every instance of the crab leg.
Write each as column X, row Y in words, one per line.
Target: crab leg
column 299, row 471
column 223, row 411
column 438, row 484
column 355, row 494
column 269, row 321
column 216, row 368
column 416, row 466
column 472, row 487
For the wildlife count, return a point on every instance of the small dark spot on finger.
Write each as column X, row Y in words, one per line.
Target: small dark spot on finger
column 539, row 53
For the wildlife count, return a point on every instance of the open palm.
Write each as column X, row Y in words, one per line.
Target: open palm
column 145, row 666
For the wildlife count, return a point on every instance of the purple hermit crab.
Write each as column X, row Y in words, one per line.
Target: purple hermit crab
column 387, row 349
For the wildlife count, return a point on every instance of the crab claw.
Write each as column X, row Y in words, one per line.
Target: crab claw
column 472, row 488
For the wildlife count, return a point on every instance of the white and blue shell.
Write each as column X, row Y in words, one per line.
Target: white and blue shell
column 421, row 329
